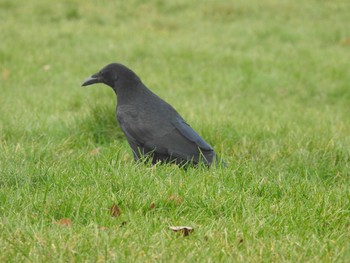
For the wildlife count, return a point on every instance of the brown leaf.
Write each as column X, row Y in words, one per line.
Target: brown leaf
column 115, row 210
column 95, row 151
column 47, row 67
column 64, row 222
column 152, row 206
column 345, row 42
column 5, row 74
column 185, row 230
column 176, row 199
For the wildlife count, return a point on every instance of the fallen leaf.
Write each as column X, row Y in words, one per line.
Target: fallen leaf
column 115, row 210
column 5, row 74
column 176, row 199
column 345, row 41
column 185, row 230
column 64, row 222
column 47, row 67
column 95, row 151
column 152, row 206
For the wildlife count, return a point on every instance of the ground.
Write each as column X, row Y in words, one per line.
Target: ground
column 265, row 83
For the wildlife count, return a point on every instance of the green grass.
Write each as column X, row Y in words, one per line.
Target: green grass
column 265, row 83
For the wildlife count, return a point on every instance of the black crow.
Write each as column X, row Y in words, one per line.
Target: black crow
column 151, row 126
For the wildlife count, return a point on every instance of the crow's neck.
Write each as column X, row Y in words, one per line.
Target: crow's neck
column 133, row 92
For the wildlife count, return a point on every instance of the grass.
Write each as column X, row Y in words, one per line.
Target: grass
column 266, row 84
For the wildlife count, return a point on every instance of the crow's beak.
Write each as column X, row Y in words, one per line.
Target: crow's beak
column 92, row 80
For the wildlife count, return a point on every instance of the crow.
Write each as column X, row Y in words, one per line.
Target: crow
column 152, row 127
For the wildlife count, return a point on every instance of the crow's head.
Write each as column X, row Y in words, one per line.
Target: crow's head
column 110, row 75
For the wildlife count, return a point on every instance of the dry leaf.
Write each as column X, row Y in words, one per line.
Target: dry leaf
column 345, row 41
column 47, row 67
column 176, row 199
column 64, row 222
column 5, row 74
column 185, row 230
column 95, row 151
column 152, row 206
column 115, row 210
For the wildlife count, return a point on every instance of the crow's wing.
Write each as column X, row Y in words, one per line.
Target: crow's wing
column 175, row 138
column 191, row 135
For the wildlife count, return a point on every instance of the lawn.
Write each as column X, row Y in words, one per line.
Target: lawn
column 266, row 83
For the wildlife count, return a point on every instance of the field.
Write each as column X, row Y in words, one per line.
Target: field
column 266, row 83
